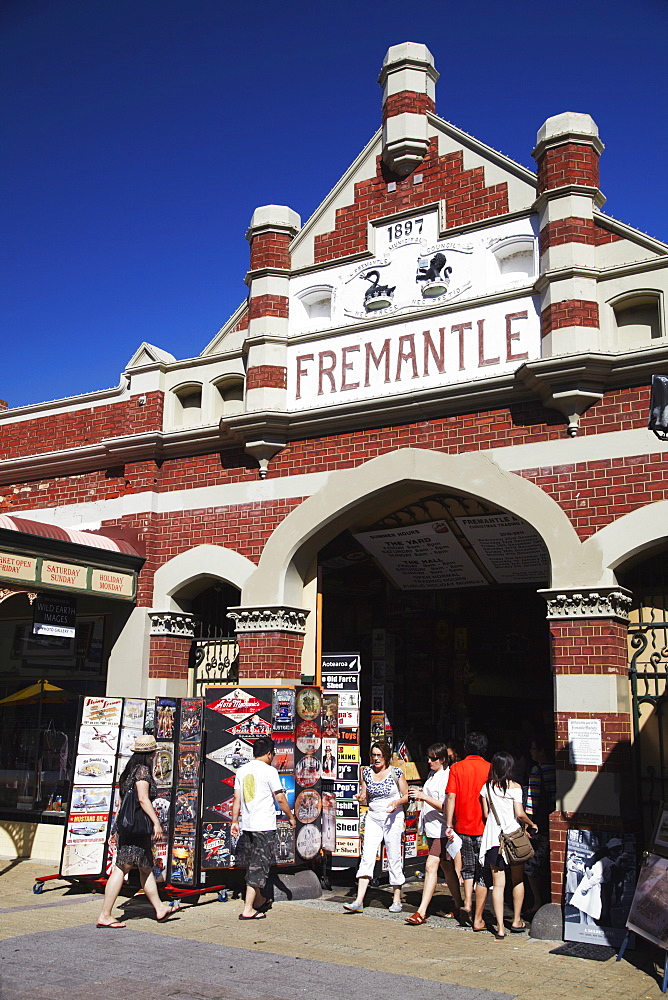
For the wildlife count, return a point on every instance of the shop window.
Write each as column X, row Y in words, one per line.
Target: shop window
column 230, row 396
column 515, row 259
column 188, row 406
column 638, row 320
column 317, row 307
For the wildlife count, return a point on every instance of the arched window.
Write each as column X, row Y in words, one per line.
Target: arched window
column 230, row 396
column 188, row 405
column 316, row 305
column 638, row 319
column 515, row 258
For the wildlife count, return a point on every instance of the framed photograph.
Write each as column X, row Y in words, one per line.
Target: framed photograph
column 659, row 843
column 600, row 880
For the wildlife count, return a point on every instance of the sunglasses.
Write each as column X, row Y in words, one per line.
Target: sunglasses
column 429, row 757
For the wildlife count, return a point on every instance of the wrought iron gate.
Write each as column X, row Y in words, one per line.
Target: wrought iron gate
column 648, row 672
column 214, row 659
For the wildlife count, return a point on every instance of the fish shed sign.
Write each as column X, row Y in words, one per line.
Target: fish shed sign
column 421, row 354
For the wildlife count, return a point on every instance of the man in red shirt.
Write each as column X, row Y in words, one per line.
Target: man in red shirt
column 463, row 815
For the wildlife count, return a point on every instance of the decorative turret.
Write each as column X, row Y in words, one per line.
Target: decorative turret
column 408, row 79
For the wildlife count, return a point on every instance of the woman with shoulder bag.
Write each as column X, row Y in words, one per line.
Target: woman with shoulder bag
column 134, row 845
column 383, row 788
column 501, row 799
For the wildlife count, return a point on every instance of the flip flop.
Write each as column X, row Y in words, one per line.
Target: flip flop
column 116, row 925
column 174, row 907
column 256, row 916
column 415, row 919
column 499, row 937
column 518, row 930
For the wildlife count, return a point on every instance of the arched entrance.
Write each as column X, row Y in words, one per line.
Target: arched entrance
column 439, row 596
column 215, row 652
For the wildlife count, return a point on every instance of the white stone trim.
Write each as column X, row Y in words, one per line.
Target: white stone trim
column 598, row 693
column 351, row 494
column 632, row 534
column 173, row 623
column 269, row 619
column 214, row 561
column 602, row 602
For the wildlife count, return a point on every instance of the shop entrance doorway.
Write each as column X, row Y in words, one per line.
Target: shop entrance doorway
column 440, row 599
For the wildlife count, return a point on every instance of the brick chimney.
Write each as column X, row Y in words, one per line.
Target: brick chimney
column 567, row 152
column 408, row 79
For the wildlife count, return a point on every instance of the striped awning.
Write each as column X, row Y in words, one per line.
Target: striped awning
column 89, row 538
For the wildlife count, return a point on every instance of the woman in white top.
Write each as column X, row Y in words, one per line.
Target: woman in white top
column 507, row 798
column 432, row 825
column 384, row 790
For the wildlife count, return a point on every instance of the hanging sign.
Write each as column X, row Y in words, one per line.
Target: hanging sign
column 341, row 663
column 54, row 614
column 510, row 548
column 422, row 557
column 238, row 705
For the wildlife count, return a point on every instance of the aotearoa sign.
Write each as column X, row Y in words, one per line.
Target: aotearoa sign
column 421, row 354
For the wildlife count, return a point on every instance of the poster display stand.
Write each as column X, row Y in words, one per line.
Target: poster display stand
column 648, row 915
column 234, row 718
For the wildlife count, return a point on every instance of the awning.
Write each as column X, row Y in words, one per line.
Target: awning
column 36, row 557
column 66, row 534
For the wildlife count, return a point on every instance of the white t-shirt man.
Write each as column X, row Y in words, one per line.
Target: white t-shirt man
column 257, row 784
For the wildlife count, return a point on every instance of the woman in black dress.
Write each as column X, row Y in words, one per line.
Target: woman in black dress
column 134, row 851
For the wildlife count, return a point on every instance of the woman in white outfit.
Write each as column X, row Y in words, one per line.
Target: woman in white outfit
column 507, row 798
column 383, row 788
column 432, row 826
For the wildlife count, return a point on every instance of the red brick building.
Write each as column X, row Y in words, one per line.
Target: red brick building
column 422, row 437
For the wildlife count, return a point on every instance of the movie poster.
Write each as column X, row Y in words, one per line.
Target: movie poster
column 163, row 765
column 284, row 758
column 600, row 878
column 165, row 719
column 102, row 711
column 283, row 710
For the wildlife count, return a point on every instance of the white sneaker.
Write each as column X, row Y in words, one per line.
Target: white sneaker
column 353, row 907
column 396, row 908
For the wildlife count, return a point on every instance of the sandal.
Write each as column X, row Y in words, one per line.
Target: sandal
column 518, row 930
column 174, row 907
column 415, row 919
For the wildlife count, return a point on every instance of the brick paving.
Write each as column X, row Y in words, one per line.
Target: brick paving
column 50, row 948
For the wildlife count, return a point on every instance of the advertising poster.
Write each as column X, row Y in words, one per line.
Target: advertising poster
column 102, row 711
column 190, row 723
column 329, row 758
column 134, row 711
column 649, row 908
column 285, row 838
column 98, row 739
column 160, row 852
column 90, row 799
column 93, row 769
column 165, row 719
column 330, row 716
column 252, row 728
column 422, row 557
column 128, row 737
column 237, row 704
column 163, row 765
column 283, row 710
column 182, row 861
column 188, row 765
column 163, row 806
column 600, row 877
column 308, row 737
column 329, row 810
column 82, row 859
column 507, row 547
column 284, row 759
column 90, row 828
column 216, row 845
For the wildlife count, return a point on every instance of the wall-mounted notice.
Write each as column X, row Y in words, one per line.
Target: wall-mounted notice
column 422, row 557
column 508, row 547
column 585, row 745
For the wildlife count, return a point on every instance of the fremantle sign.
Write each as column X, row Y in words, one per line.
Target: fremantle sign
column 422, row 354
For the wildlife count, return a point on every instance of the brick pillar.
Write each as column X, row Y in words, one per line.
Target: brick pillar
column 271, row 231
column 270, row 640
column 171, row 641
column 567, row 152
column 408, row 79
column 590, row 664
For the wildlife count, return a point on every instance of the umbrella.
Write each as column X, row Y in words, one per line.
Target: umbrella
column 41, row 692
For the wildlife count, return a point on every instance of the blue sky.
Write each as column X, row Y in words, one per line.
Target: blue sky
column 139, row 135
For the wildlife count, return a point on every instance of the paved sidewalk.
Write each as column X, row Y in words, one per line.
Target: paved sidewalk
column 49, row 948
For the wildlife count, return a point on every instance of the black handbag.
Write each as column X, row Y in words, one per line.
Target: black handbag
column 515, row 846
column 131, row 820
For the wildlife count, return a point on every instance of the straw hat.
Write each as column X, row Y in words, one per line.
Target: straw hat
column 145, row 744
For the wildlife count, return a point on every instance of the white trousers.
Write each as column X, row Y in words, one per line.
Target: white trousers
column 379, row 827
